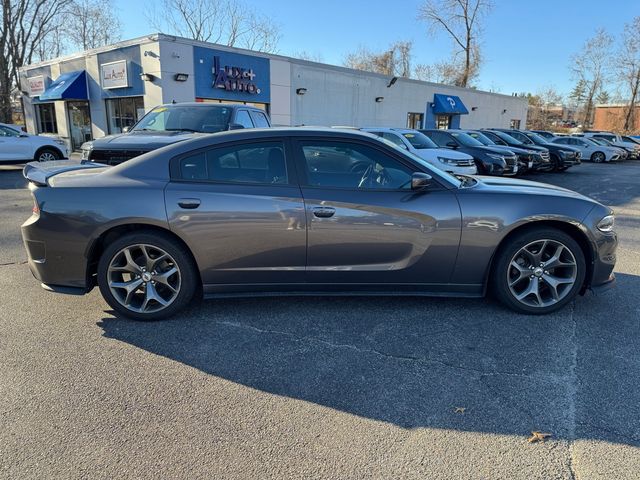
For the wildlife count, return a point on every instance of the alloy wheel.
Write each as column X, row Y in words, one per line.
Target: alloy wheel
column 46, row 157
column 144, row 278
column 542, row 273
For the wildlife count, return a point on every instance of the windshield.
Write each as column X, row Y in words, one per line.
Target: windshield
column 481, row 138
column 421, row 161
column 419, row 140
column 596, row 141
column 537, row 138
column 508, row 138
column 465, row 139
column 209, row 119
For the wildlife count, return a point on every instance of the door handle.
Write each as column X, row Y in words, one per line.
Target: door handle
column 324, row 212
column 189, row 203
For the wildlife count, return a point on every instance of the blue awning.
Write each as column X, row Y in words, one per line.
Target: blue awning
column 448, row 105
column 68, row 86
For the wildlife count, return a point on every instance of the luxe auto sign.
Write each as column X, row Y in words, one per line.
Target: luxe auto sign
column 233, row 79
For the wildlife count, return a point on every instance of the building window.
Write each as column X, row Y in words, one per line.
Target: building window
column 443, row 122
column 515, row 123
column 123, row 112
column 414, row 120
column 46, row 118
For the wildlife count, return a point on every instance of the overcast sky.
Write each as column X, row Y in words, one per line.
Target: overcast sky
column 527, row 44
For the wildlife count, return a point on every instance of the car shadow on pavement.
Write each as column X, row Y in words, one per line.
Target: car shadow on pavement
column 11, row 177
column 418, row 362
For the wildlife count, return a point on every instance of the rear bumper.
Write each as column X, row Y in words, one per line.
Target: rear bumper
column 53, row 255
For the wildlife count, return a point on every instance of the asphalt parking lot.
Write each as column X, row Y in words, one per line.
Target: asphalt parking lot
column 323, row 387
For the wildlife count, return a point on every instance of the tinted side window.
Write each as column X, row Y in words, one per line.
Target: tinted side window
column 262, row 162
column 353, row 166
column 259, row 119
column 243, row 118
column 392, row 137
column 8, row 132
column 440, row 138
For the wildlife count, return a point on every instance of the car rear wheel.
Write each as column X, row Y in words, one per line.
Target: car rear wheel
column 47, row 155
column 598, row 157
column 539, row 271
column 147, row 276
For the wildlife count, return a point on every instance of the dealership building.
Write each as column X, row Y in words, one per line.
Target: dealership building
column 99, row 92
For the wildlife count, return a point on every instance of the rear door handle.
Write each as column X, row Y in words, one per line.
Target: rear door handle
column 324, row 212
column 189, row 203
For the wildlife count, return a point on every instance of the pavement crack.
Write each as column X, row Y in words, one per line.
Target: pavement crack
column 372, row 351
column 13, row 263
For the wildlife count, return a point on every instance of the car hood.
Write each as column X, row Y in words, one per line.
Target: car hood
column 141, row 140
column 491, row 149
column 516, row 150
column 556, row 146
column 446, row 153
column 527, row 187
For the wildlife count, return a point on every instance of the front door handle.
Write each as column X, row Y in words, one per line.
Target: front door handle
column 189, row 203
column 324, row 212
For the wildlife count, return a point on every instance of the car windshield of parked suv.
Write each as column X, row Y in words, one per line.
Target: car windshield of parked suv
column 419, row 140
column 481, row 138
column 507, row 138
column 209, row 119
column 466, row 140
column 537, row 139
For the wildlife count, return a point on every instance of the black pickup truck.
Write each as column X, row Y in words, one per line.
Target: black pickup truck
column 167, row 124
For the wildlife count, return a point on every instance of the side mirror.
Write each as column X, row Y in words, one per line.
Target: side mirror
column 235, row 126
column 23, row 135
column 420, row 180
column 126, row 129
column 451, row 145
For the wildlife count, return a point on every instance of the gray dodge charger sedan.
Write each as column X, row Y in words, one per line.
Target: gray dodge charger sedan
column 307, row 211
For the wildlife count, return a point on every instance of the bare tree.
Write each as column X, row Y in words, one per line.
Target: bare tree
column 628, row 69
column 545, row 107
column 310, row 56
column 461, row 20
column 396, row 60
column 91, row 23
column 227, row 22
column 25, row 25
column 590, row 68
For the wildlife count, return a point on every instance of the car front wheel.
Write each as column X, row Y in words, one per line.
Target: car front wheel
column 539, row 271
column 147, row 276
column 598, row 157
column 47, row 155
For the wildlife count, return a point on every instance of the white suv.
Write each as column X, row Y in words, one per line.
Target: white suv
column 633, row 149
column 422, row 146
column 20, row 147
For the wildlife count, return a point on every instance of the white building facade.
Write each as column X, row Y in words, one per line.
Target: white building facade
column 99, row 92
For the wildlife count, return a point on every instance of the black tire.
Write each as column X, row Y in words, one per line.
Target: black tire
column 502, row 269
column 189, row 279
column 598, row 157
column 47, row 155
column 555, row 161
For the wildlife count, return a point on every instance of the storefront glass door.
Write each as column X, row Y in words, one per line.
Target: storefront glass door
column 79, row 123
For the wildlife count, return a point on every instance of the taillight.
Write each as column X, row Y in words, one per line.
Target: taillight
column 36, row 208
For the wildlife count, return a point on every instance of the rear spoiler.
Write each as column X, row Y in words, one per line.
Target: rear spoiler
column 40, row 172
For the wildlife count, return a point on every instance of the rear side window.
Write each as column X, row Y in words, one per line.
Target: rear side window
column 262, row 162
column 243, row 118
column 259, row 119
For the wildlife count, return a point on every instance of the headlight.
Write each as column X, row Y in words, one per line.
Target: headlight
column 448, row 161
column 607, row 224
column 86, row 148
column 563, row 153
column 60, row 142
column 495, row 156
